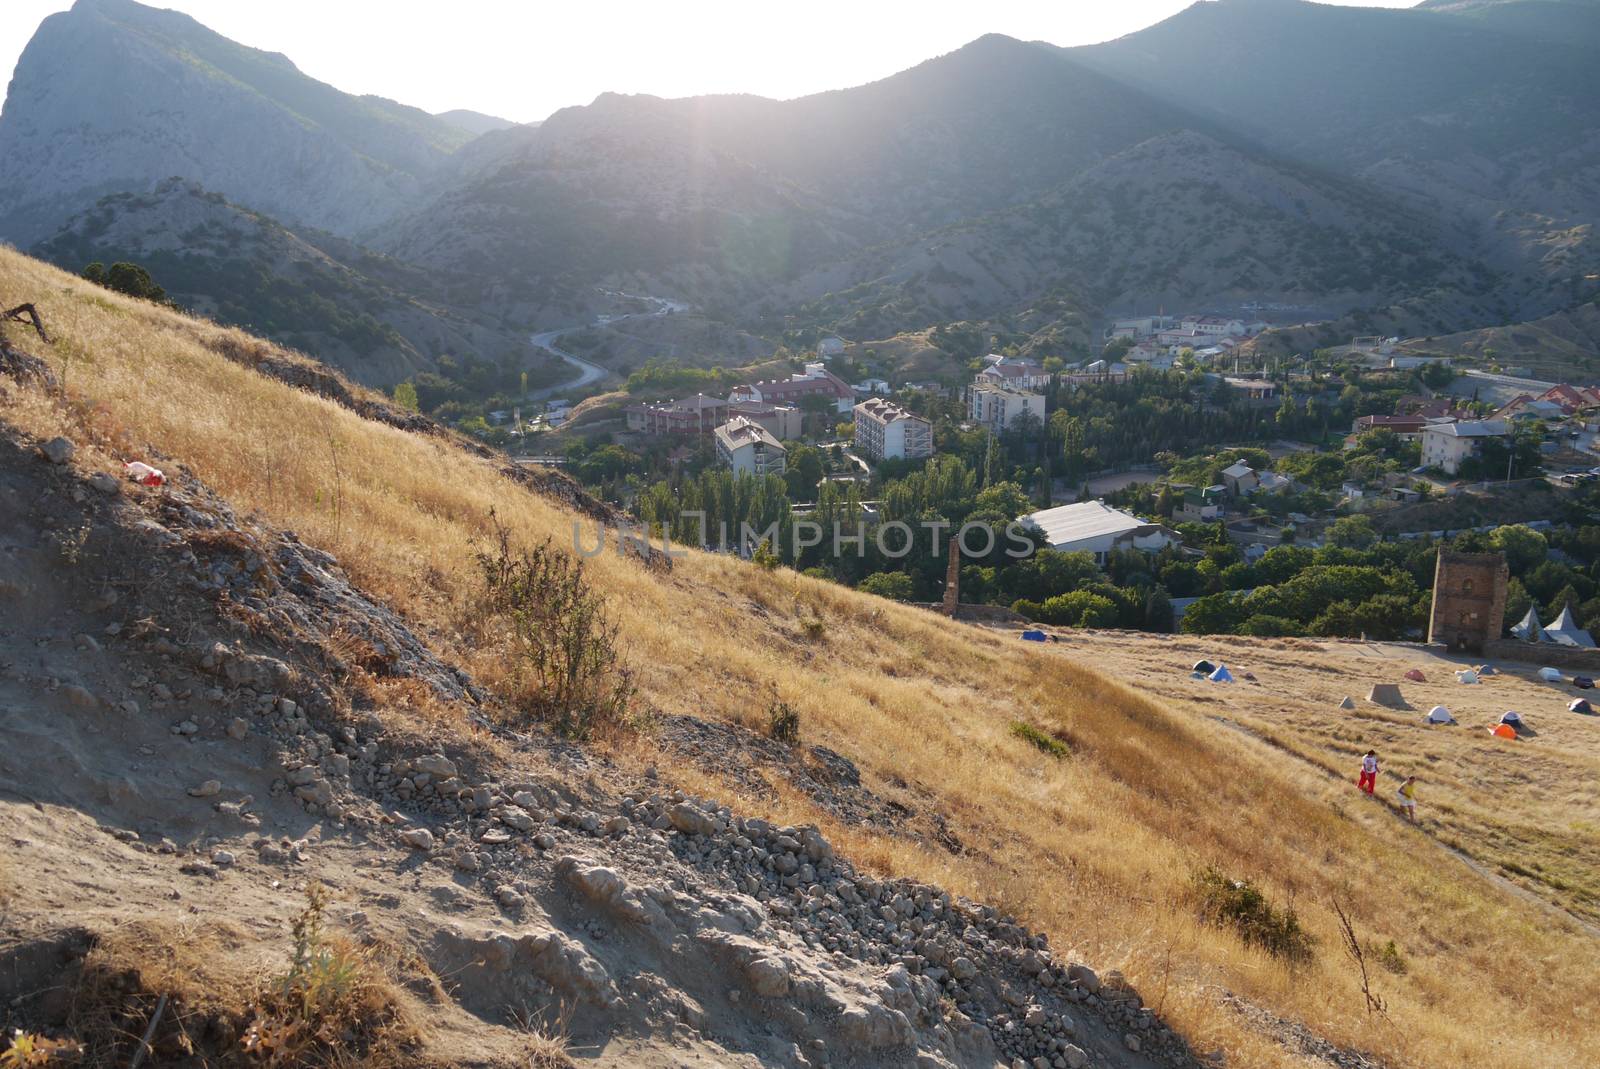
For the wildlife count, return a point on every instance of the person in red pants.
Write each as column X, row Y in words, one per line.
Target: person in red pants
column 1369, row 772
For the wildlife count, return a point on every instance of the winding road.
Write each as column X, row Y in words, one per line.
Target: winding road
column 589, row 372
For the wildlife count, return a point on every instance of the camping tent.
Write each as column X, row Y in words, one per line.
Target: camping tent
column 1487, row 670
column 1529, row 630
column 1580, row 705
column 1416, row 676
column 1033, row 636
column 1386, row 694
column 1440, row 715
column 1504, row 731
column 1466, row 675
column 1566, row 632
column 1549, row 675
column 1514, row 719
column 1221, row 675
column 1347, row 703
column 1583, row 682
column 1205, row 668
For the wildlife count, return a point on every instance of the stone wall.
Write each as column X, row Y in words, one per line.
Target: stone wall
column 1580, row 661
column 1469, row 600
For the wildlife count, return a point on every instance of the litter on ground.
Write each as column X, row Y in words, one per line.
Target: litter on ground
column 144, row 474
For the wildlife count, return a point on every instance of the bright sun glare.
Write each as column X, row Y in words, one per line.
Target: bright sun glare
column 524, row 61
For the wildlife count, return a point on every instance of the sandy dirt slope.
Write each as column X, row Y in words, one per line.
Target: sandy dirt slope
column 1525, row 810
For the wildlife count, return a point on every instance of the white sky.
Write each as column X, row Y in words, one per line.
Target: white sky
column 523, row 59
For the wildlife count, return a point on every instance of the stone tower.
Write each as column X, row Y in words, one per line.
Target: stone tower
column 1469, row 600
column 952, row 580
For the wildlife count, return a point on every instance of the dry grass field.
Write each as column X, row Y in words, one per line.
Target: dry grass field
column 1527, row 810
column 1098, row 848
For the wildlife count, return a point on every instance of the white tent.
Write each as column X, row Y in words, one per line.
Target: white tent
column 1440, row 715
column 1529, row 630
column 1466, row 675
column 1221, row 675
column 1549, row 675
column 1580, row 705
column 1566, row 632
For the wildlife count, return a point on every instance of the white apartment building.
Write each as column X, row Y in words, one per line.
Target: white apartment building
column 998, row 408
column 749, row 448
column 885, row 431
column 1446, row 445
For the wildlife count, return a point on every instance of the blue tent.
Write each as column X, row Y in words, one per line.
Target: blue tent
column 1033, row 636
column 1221, row 675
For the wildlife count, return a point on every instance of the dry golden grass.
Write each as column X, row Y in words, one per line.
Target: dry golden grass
column 1096, row 849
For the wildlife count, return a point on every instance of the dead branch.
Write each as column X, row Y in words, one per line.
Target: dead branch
column 27, row 313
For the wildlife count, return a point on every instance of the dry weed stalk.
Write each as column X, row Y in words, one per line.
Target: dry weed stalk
column 1353, row 948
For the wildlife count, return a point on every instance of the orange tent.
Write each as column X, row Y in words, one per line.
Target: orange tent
column 1504, row 731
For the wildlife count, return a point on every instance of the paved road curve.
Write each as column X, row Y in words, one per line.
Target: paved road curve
column 590, row 372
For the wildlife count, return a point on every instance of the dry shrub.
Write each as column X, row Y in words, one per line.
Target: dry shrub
column 333, row 1006
column 566, row 670
column 783, row 723
column 1241, row 907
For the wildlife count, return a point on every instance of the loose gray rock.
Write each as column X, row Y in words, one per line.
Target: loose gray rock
column 768, row 977
column 82, row 697
column 417, row 838
column 58, row 450
column 209, row 789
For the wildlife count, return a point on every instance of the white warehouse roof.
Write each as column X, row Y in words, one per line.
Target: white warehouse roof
column 1083, row 521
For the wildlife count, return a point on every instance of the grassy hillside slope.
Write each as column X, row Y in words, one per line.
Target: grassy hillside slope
column 1098, row 848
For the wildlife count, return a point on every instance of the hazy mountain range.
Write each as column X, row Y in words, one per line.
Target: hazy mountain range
column 1439, row 166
